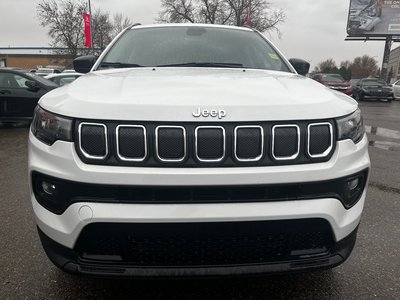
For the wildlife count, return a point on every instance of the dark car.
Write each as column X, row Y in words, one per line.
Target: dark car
column 371, row 88
column 19, row 94
column 335, row 82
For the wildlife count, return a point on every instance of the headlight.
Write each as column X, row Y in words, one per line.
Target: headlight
column 351, row 127
column 48, row 127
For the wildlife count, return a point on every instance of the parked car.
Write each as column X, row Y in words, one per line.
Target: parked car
column 353, row 82
column 195, row 150
column 46, row 71
column 396, row 89
column 19, row 94
column 334, row 82
column 63, row 78
column 373, row 89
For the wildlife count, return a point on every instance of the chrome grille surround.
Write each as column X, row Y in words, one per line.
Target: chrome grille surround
column 329, row 149
column 184, row 143
column 87, row 155
column 196, row 143
column 121, row 157
column 257, row 158
column 292, row 157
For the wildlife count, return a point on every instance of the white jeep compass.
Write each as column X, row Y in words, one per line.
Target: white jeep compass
column 196, row 150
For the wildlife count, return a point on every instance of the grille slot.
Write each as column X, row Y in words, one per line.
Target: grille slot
column 210, row 143
column 93, row 141
column 285, row 142
column 204, row 244
column 319, row 139
column 131, row 142
column 249, row 143
column 171, row 143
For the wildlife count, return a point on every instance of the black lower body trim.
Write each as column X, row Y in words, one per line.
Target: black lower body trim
column 69, row 261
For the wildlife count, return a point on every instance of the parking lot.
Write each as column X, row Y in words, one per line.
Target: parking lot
column 372, row 271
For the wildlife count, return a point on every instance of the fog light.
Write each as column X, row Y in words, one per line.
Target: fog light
column 351, row 185
column 353, row 189
column 48, row 188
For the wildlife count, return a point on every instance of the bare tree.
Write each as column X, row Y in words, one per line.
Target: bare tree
column 102, row 29
column 64, row 19
column 229, row 12
column 326, row 66
column 364, row 66
column 346, row 64
column 120, row 22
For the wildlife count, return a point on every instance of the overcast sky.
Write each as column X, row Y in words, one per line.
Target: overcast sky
column 314, row 29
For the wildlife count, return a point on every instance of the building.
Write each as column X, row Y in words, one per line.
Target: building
column 394, row 65
column 34, row 57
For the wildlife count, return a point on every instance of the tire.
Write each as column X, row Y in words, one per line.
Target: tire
column 359, row 97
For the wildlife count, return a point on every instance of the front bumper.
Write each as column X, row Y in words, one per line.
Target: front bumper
column 61, row 161
column 67, row 260
column 368, row 96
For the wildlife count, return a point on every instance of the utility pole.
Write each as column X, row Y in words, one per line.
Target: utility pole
column 91, row 28
column 385, row 63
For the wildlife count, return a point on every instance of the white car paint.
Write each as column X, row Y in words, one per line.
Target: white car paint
column 254, row 95
column 174, row 94
column 396, row 89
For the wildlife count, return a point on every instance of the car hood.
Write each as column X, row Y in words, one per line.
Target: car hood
column 173, row 94
column 341, row 84
column 374, row 87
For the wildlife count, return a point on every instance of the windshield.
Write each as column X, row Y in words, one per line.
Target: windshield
column 332, row 78
column 193, row 47
column 44, row 71
column 373, row 82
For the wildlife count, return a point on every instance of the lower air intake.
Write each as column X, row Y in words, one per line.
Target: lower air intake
column 204, row 244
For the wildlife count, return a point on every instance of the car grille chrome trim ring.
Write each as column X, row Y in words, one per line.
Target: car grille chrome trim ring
column 292, row 157
column 184, row 144
column 87, row 155
column 235, row 143
column 124, row 158
column 327, row 151
column 196, row 143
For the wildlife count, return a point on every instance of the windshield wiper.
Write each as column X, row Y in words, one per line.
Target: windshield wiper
column 204, row 64
column 119, row 65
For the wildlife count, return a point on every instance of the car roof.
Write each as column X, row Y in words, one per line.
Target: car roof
column 14, row 70
column 63, row 75
column 139, row 26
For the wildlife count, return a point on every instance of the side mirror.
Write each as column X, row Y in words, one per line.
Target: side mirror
column 301, row 66
column 32, row 85
column 84, row 64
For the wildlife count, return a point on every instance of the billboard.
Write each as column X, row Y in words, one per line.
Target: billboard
column 374, row 18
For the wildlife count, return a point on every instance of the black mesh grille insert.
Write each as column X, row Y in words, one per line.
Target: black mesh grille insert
column 249, row 142
column 132, row 142
column 210, row 143
column 203, row 144
column 320, row 139
column 171, row 143
column 285, row 142
column 93, row 139
column 204, row 244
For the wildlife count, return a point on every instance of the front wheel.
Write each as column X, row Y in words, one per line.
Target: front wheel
column 359, row 97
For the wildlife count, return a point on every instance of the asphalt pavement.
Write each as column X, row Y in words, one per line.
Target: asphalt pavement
column 371, row 272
